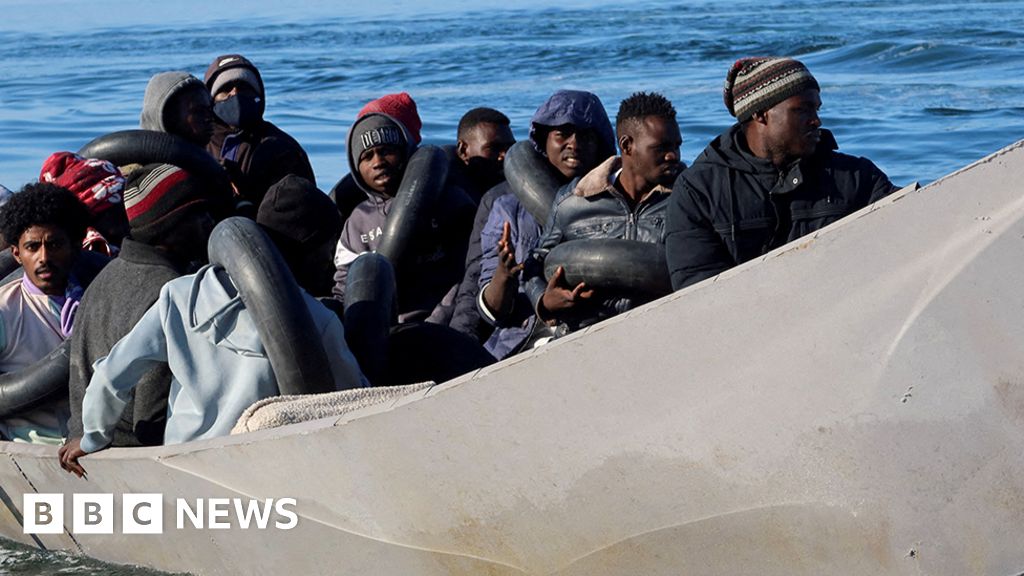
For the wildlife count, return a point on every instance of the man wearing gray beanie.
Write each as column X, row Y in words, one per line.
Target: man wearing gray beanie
column 771, row 178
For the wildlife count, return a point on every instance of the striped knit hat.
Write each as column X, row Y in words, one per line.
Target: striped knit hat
column 158, row 197
column 757, row 84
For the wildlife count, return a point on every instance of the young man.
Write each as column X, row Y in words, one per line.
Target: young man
column 44, row 225
column 178, row 103
column 255, row 152
column 379, row 148
column 201, row 328
column 624, row 197
column 771, row 178
column 169, row 219
column 484, row 135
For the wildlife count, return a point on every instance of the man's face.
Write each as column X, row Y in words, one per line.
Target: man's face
column 654, row 152
column 46, row 253
column 191, row 115
column 572, row 152
column 235, row 88
column 381, row 168
column 486, row 140
column 791, row 128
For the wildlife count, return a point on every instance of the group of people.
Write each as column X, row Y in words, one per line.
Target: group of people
column 163, row 348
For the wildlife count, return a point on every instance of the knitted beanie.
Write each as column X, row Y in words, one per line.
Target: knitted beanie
column 374, row 130
column 229, row 68
column 399, row 106
column 159, row 197
column 97, row 183
column 757, row 84
column 296, row 210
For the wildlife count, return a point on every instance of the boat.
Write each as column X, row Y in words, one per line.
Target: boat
column 850, row 403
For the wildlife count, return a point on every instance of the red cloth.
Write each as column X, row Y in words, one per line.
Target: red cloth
column 97, row 183
column 399, row 106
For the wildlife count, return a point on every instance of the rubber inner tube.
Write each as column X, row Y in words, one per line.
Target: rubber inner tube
column 270, row 294
column 371, row 308
column 45, row 380
column 7, row 264
column 422, row 351
column 424, row 179
column 532, row 179
column 616, row 265
column 148, row 146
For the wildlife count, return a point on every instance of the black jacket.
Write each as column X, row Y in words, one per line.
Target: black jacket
column 265, row 155
column 731, row 206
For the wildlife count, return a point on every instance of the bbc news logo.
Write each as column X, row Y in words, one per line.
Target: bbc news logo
column 144, row 513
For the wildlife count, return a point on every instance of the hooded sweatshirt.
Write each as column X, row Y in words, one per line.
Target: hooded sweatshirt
column 439, row 260
column 202, row 330
column 159, row 91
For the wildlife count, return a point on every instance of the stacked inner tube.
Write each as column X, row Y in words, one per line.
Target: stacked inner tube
column 410, row 211
column 278, row 308
column 371, row 308
column 615, row 265
column 532, row 179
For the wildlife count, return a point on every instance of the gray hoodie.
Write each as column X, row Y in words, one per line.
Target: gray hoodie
column 159, row 91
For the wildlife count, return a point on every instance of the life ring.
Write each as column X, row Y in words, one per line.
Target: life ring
column 613, row 264
column 532, row 179
column 424, row 179
column 270, row 293
column 371, row 308
column 46, row 379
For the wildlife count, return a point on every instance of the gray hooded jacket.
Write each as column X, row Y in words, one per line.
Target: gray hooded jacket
column 159, row 91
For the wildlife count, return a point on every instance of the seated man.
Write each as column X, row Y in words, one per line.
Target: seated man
column 169, row 219
column 100, row 186
column 201, row 328
column 178, row 103
column 44, row 225
column 379, row 148
column 484, row 135
column 255, row 152
column 624, row 198
column 570, row 125
column 771, row 178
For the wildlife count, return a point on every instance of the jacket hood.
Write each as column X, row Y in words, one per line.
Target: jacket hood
column 159, row 91
column 725, row 150
column 214, row 312
column 582, row 110
column 353, row 168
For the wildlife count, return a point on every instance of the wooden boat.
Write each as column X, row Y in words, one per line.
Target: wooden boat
column 852, row 403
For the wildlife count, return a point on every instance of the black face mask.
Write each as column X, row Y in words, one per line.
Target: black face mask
column 484, row 173
column 240, row 110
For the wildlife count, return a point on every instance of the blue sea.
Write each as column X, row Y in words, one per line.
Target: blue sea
column 921, row 88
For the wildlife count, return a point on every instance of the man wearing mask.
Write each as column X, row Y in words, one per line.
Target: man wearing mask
column 255, row 153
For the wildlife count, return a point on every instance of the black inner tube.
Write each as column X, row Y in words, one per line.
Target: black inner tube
column 41, row 382
column 424, row 179
column 271, row 295
column 371, row 308
column 532, row 179
column 617, row 265
column 7, row 264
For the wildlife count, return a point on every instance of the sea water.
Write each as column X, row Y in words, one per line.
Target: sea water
column 921, row 88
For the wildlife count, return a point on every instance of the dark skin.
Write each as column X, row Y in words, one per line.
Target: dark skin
column 485, row 140
column 572, row 152
column 46, row 253
column 189, row 114
column 787, row 131
column 381, row 168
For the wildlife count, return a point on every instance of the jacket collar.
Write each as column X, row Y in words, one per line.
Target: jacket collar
column 602, row 179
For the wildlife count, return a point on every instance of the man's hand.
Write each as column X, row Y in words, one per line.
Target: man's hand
column 559, row 297
column 507, row 265
column 499, row 294
column 69, row 454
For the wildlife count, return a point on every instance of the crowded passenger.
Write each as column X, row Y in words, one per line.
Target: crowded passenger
column 483, row 137
column 169, row 220
column 178, row 103
column 202, row 329
column 100, row 186
column 624, row 197
column 255, row 152
column 44, row 225
column 771, row 178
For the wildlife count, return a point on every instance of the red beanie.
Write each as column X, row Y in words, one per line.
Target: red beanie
column 399, row 106
column 97, row 183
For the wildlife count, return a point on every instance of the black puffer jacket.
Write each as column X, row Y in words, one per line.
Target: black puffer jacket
column 732, row 206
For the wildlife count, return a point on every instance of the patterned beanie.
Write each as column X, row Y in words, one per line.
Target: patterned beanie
column 757, row 84
column 399, row 106
column 97, row 183
column 159, row 197
column 374, row 130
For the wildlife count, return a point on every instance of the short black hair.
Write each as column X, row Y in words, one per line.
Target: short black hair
column 640, row 105
column 477, row 116
column 44, row 204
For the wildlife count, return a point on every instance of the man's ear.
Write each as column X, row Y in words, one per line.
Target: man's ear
column 626, row 144
column 462, row 150
column 16, row 254
column 760, row 117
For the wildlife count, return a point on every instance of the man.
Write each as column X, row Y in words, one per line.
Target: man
column 624, row 197
column 44, row 224
column 484, row 135
column 498, row 297
column 201, row 328
column 771, row 178
column 379, row 148
column 178, row 103
column 169, row 223
column 255, row 152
